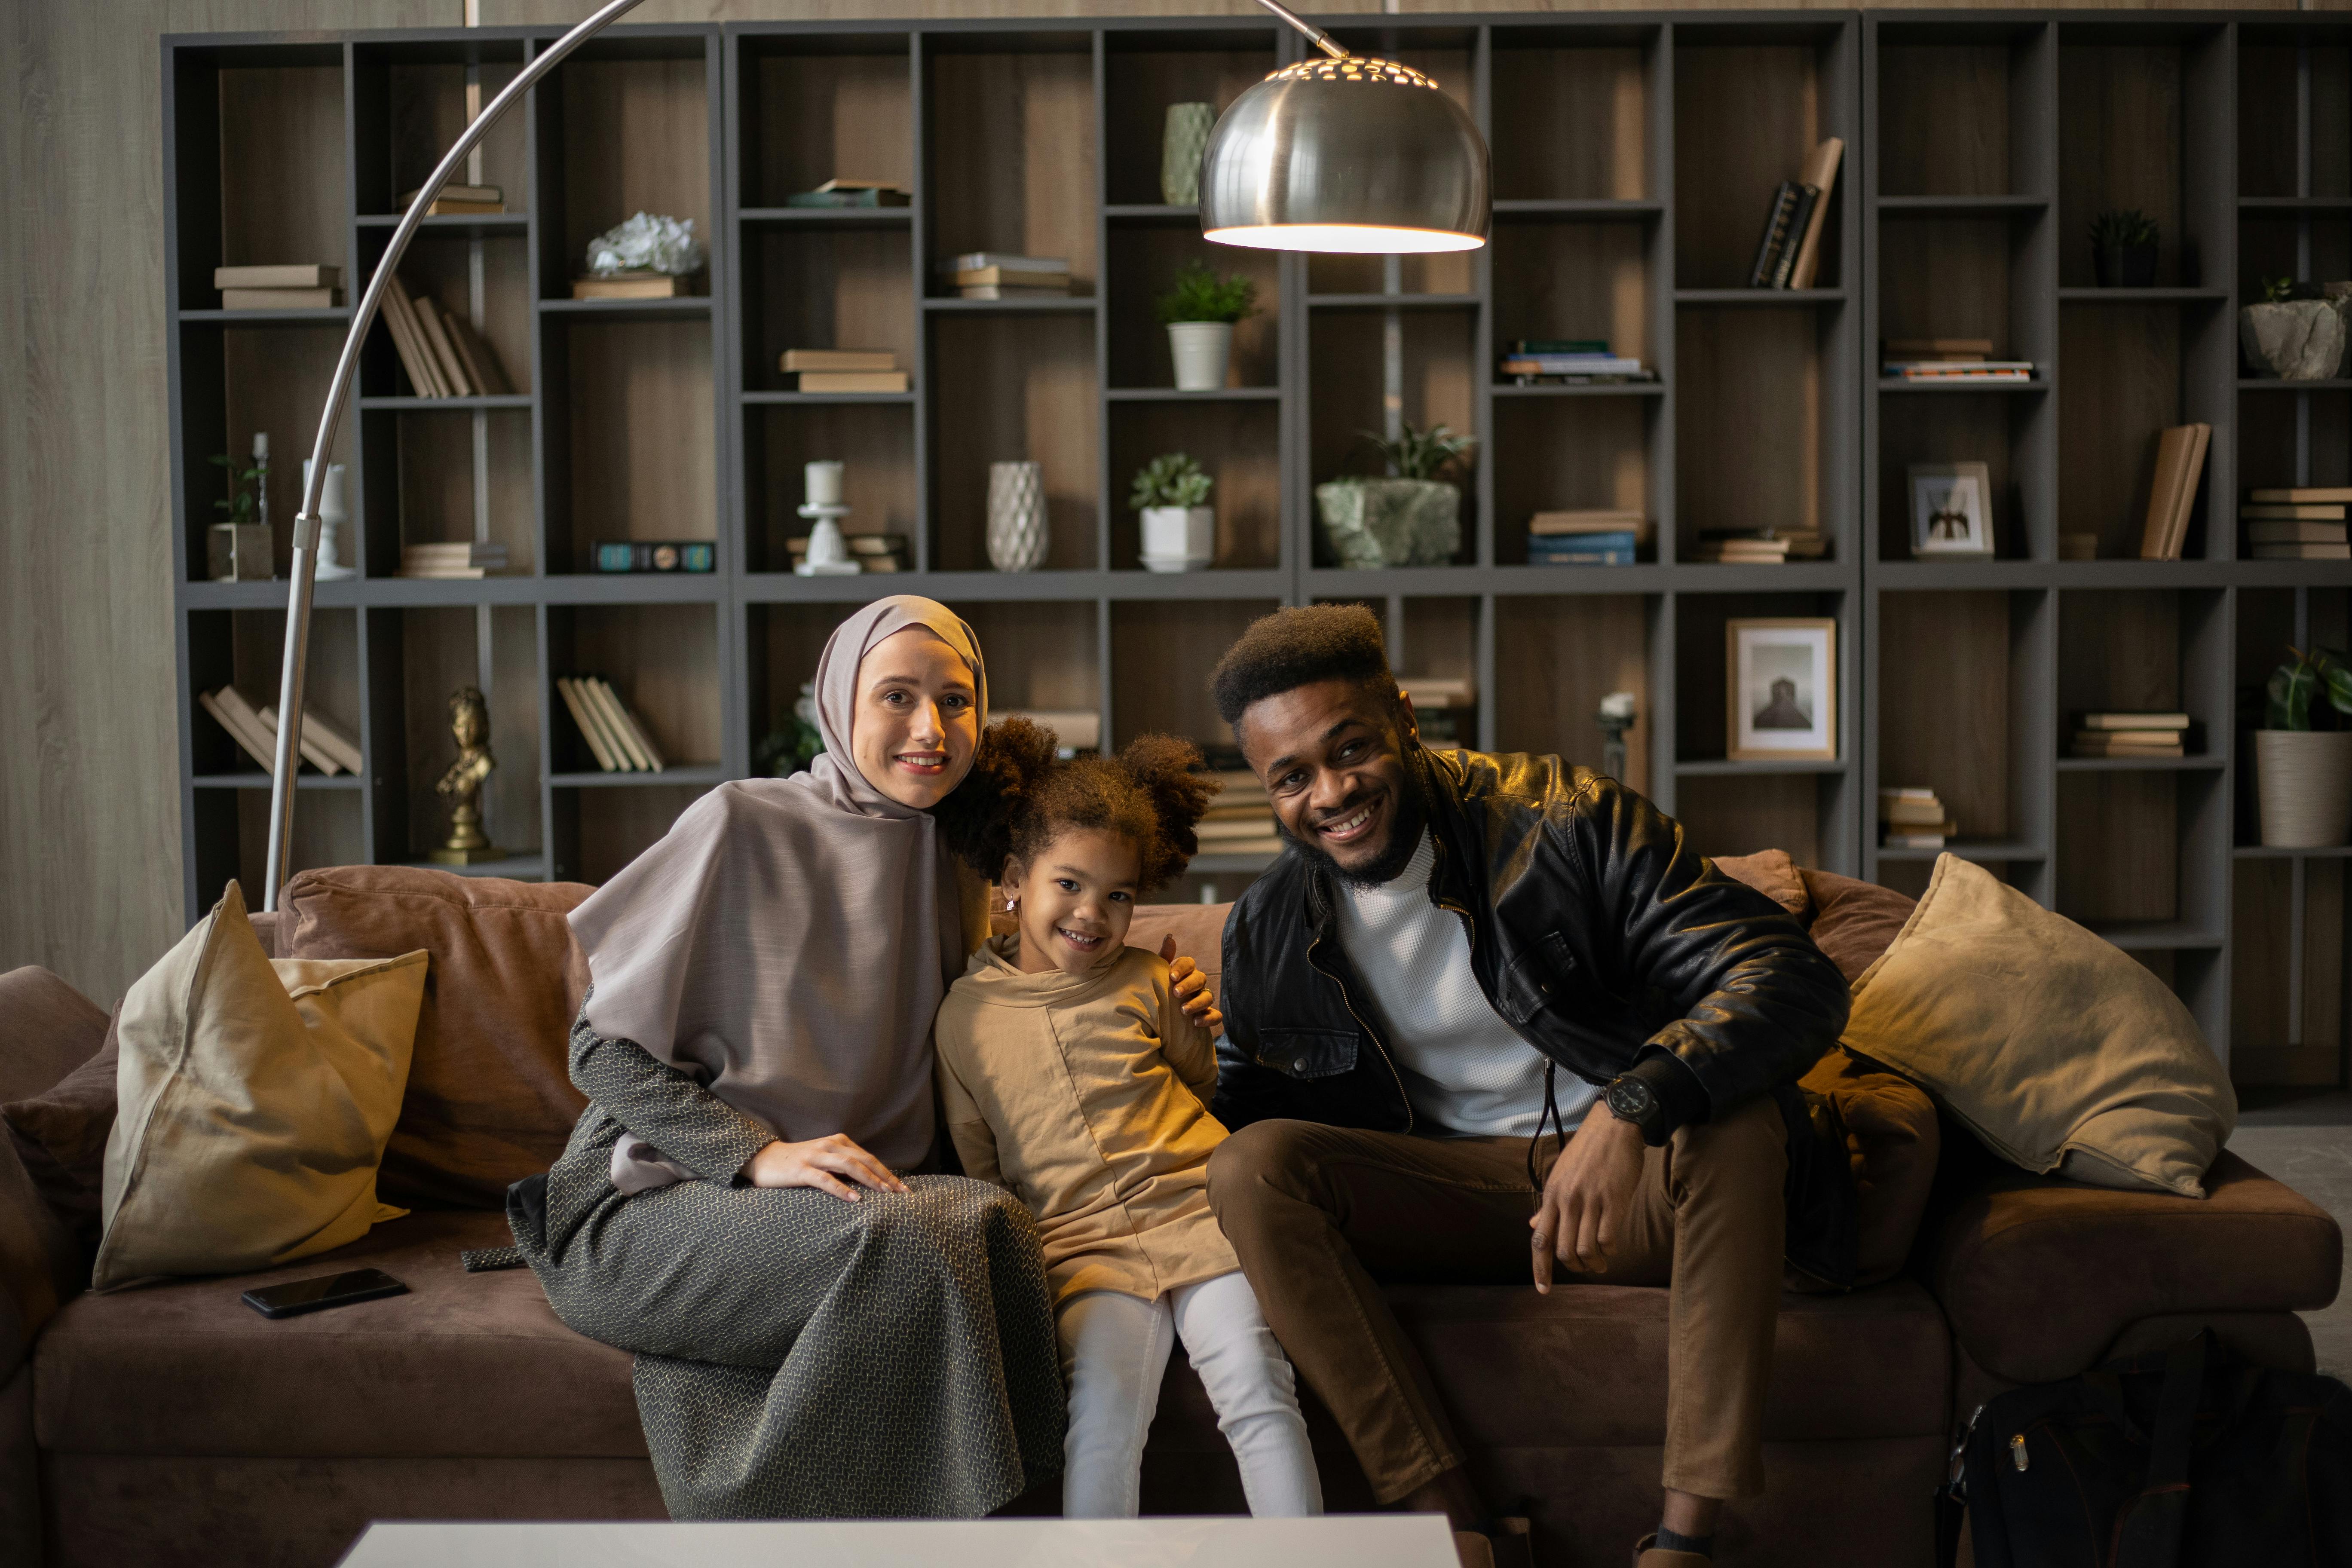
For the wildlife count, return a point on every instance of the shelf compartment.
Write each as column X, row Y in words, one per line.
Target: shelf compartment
column 594, row 832
column 1578, row 280
column 819, row 106
column 1575, row 116
column 1146, row 71
column 1747, row 113
column 237, row 380
column 2139, row 852
column 1143, row 263
column 873, row 441
column 1439, row 386
column 1040, row 656
column 1239, row 445
column 1557, row 657
column 440, row 267
column 624, row 126
column 409, row 106
column 428, row 468
column 1561, row 456
column 663, row 661
column 2015, row 438
column 1011, row 163
column 1161, row 656
column 2128, row 373
column 1963, row 114
column 2272, row 153
column 2287, row 970
column 631, row 435
column 417, row 660
column 1008, row 390
column 2141, row 123
column 1757, row 437
column 260, row 171
column 826, row 289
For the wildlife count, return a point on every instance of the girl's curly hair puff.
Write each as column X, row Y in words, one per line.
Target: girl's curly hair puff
column 1020, row 797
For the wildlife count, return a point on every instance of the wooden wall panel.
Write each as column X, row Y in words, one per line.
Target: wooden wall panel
column 281, row 202
column 1943, row 693
column 644, row 448
column 829, row 116
column 1577, row 125
column 1567, row 653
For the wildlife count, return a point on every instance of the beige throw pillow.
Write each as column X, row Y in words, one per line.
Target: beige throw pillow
column 2051, row 1046
column 255, row 1102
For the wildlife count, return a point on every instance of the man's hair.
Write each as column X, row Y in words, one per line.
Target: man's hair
column 1297, row 646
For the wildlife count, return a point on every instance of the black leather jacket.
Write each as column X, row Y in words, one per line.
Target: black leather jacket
column 1596, row 934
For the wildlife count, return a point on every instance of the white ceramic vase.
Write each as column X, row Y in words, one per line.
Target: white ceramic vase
column 2305, row 778
column 1017, row 539
column 1202, row 350
column 1178, row 537
column 1181, row 147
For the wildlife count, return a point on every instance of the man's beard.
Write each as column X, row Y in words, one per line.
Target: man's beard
column 1408, row 822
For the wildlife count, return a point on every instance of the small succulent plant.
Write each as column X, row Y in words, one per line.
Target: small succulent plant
column 1201, row 295
column 2124, row 229
column 1172, row 479
column 1422, row 454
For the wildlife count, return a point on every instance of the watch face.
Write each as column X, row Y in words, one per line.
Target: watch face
column 1631, row 1099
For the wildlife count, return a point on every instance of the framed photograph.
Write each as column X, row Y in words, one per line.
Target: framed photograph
column 1783, row 690
column 1951, row 509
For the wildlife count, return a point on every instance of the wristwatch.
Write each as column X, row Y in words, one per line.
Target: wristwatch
column 1631, row 1100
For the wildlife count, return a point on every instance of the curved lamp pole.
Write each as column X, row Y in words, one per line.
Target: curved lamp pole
column 305, row 521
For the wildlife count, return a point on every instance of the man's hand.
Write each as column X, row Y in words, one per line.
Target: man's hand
column 1588, row 1199
column 815, row 1163
column 1192, row 988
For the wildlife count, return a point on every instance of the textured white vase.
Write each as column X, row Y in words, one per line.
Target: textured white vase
column 2305, row 777
column 1181, row 147
column 1017, row 539
column 1202, row 350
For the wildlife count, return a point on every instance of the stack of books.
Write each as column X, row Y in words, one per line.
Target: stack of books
column 1075, row 730
column 472, row 558
column 1440, row 703
column 617, row 741
column 999, row 275
column 439, row 348
column 299, row 286
column 2180, row 461
column 1913, row 818
column 2303, row 523
column 2130, row 734
column 1571, row 362
column 632, row 283
column 255, row 729
column 1240, row 819
column 468, row 200
column 1949, row 359
column 1601, row 536
column 842, row 192
column 1760, row 546
column 874, row 551
column 844, row 370
column 1789, row 256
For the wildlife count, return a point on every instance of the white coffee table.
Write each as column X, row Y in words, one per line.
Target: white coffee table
column 1353, row 1540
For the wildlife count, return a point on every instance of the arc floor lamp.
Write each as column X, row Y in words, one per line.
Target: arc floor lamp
column 1337, row 154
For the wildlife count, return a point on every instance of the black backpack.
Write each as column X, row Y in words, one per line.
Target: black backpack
column 2189, row 1457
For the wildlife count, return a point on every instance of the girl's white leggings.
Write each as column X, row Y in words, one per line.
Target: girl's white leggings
column 1113, row 1352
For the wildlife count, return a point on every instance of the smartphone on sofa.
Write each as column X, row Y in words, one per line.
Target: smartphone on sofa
column 298, row 1296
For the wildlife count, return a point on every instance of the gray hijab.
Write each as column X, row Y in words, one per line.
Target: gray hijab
column 788, row 940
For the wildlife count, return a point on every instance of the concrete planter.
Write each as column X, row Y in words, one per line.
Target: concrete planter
column 2305, row 778
column 1390, row 522
column 2295, row 339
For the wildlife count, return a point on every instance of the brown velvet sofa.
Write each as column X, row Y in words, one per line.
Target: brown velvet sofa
column 171, row 1424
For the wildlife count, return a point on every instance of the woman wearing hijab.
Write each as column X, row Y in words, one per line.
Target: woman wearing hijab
column 815, row 1335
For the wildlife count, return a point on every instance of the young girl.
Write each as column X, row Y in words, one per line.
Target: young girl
column 1071, row 1076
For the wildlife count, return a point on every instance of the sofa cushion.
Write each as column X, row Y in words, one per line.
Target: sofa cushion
column 488, row 1098
column 255, row 1098
column 1893, row 1142
column 46, row 1029
column 2039, row 1275
column 1199, row 930
column 2050, row 1043
column 59, row 1136
column 1853, row 921
column 1773, row 874
column 465, row 1365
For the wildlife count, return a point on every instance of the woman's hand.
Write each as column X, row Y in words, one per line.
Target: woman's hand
column 1588, row 1199
column 821, row 1162
column 1192, row 988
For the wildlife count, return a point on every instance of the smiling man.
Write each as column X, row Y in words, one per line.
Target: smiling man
column 1457, row 953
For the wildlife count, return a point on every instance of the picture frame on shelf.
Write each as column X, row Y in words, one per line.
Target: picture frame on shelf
column 1951, row 511
column 1780, row 680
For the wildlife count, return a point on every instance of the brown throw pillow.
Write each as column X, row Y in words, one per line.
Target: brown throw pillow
column 59, row 1137
column 1771, row 873
column 489, row 1097
column 1892, row 1139
column 46, row 1029
column 1853, row 921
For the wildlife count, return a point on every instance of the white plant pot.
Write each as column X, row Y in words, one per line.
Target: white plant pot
column 1179, row 534
column 1202, row 350
column 2305, row 777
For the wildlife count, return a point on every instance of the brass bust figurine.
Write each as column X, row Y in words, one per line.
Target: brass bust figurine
column 461, row 786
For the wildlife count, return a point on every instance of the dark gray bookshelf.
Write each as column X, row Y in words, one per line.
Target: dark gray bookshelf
column 1634, row 155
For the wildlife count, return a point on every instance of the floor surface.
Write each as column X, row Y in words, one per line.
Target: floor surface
column 2307, row 1145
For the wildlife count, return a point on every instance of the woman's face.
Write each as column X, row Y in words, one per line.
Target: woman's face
column 917, row 722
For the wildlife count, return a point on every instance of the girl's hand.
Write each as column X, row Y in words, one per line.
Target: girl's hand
column 1192, row 988
column 821, row 1162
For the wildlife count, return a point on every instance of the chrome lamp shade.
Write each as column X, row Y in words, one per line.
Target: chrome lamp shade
column 1350, row 154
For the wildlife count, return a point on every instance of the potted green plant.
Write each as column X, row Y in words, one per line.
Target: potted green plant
column 2123, row 249
column 1199, row 314
column 2296, row 332
column 1407, row 518
column 2302, row 754
column 1180, row 528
